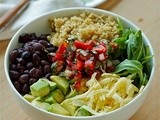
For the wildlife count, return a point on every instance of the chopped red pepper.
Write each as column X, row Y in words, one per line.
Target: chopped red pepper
column 61, row 51
column 69, row 63
column 79, row 65
column 59, row 66
column 82, row 45
column 89, row 65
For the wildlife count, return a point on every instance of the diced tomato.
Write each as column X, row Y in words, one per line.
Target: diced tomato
column 89, row 65
column 59, row 66
column 80, row 85
column 79, row 65
column 82, row 45
column 89, row 72
column 81, row 57
column 61, row 51
column 70, row 55
column 69, row 63
column 78, row 76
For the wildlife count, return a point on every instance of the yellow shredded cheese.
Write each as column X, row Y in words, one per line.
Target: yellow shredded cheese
column 106, row 94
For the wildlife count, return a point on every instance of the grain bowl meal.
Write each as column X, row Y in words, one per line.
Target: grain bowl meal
column 88, row 65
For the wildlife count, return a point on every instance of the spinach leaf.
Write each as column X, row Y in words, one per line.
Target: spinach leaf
column 128, row 67
column 120, row 25
column 135, row 46
column 133, row 53
column 143, row 81
column 146, row 55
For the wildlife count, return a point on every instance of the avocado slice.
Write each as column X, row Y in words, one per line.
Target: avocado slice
column 56, row 108
column 62, row 83
column 51, row 83
column 71, row 94
column 40, row 88
column 49, row 98
column 37, row 102
column 82, row 112
column 67, row 104
column 29, row 97
column 58, row 95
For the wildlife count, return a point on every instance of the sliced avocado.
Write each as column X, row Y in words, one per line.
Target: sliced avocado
column 82, row 112
column 71, row 94
column 51, row 83
column 58, row 95
column 62, row 83
column 56, row 108
column 29, row 97
column 49, row 98
column 40, row 88
column 69, row 106
column 40, row 104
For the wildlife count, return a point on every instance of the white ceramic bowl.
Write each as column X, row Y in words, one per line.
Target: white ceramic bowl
column 40, row 25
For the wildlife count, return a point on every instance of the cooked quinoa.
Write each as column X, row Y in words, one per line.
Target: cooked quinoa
column 85, row 26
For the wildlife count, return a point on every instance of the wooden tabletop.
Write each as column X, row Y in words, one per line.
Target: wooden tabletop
column 146, row 15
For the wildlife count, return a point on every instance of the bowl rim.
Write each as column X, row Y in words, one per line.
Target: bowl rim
column 94, row 10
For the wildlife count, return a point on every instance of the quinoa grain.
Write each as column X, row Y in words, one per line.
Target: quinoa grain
column 85, row 26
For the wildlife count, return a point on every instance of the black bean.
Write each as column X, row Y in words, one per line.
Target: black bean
column 13, row 55
column 17, row 85
column 34, row 73
column 26, row 71
column 36, row 59
column 25, row 45
column 14, row 75
column 29, row 65
column 20, row 51
column 29, row 48
column 50, row 45
column 33, row 36
column 21, row 68
column 48, row 75
column 38, row 46
column 23, row 38
column 39, row 69
column 43, row 42
column 25, row 89
column 34, row 41
column 42, row 37
column 31, row 61
column 24, row 78
column 32, row 80
column 38, row 53
column 13, row 67
column 46, row 69
column 51, row 49
column 21, row 61
column 44, row 62
column 25, row 55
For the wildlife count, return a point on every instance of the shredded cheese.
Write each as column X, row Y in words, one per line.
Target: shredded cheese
column 106, row 94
